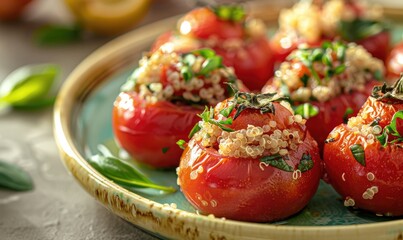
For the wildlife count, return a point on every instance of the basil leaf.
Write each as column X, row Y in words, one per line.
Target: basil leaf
column 358, row 153
column 277, row 161
column 210, row 64
column 359, row 29
column 233, row 13
column 30, row 86
column 204, row 52
column 348, row 111
column 306, row 110
column 187, row 73
column 305, row 163
column 57, row 34
column 14, row 177
column 122, row 173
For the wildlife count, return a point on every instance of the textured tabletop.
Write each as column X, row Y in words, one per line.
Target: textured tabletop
column 57, row 208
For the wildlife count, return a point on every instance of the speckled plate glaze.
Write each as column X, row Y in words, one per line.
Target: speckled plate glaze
column 82, row 121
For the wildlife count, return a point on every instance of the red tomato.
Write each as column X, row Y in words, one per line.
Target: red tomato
column 252, row 59
column 239, row 188
column 149, row 132
column 377, row 185
column 378, row 45
column 203, row 23
column 332, row 113
column 12, row 9
column 394, row 62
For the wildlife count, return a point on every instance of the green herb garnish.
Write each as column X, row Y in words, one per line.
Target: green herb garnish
column 14, row 177
column 306, row 163
column 234, row 13
column 211, row 63
column 392, row 130
column 181, row 143
column 165, row 150
column 306, row 110
column 277, row 161
column 325, row 55
column 122, row 173
column 358, row 153
column 30, row 87
column 348, row 112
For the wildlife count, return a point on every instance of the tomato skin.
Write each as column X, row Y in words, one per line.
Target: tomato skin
column 238, row 189
column 202, row 23
column 385, row 163
column 144, row 130
column 378, row 45
column 331, row 113
column 253, row 61
column 12, row 9
column 394, row 62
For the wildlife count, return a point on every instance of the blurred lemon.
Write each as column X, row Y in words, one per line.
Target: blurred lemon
column 108, row 17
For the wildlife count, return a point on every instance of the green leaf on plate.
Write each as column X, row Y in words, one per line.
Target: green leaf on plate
column 30, row 87
column 123, row 174
column 13, row 177
column 57, row 34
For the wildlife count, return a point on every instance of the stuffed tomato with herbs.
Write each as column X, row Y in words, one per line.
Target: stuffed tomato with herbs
column 364, row 158
column 326, row 84
column 240, row 40
column 312, row 22
column 250, row 159
column 159, row 103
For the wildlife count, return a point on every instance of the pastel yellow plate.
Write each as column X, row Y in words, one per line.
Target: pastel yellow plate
column 82, row 121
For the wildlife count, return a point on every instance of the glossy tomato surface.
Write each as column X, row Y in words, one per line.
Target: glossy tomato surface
column 149, row 132
column 394, row 62
column 244, row 189
column 332, row 113
column 383, row 170
column 378, row 45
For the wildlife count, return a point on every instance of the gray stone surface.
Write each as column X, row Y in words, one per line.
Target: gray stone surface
column 58, row 208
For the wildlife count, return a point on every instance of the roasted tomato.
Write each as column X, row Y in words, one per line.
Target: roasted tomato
column 250, row 159
column 364, row 158
column 240, row 41
column 160, row 102
column 312, row 23
column 394, row 62
column 326, row 84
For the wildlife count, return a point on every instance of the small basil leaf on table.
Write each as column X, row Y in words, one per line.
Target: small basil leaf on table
column 123, row 174
column 30, row 87
column 13, row 177
column 57, row 34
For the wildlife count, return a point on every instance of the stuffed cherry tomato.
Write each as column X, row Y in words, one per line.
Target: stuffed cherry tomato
column 394, row 62
column 311, row 23
column 250, row 159
column 364, row 158
column 327, row 83
column 160, row 102
column 240, row 41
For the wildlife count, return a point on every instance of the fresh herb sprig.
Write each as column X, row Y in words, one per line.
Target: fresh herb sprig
column 122, row 173
column 327, row 54
column 208, row 116
column 306, row 110
column 391, row 129
column 211, row 63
